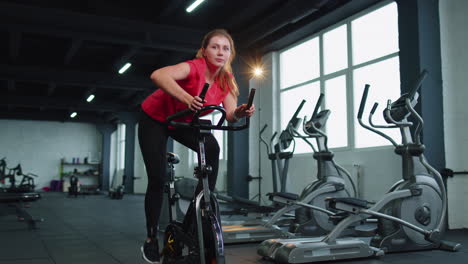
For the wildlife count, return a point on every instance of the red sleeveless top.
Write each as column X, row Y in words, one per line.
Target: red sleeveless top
column 160, row 105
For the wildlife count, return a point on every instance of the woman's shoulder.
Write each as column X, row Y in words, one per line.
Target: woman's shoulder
column 197, row 66
column 197, row 62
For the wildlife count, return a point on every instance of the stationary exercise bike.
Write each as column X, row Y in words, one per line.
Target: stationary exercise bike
column 411, row 215
column 199, row 238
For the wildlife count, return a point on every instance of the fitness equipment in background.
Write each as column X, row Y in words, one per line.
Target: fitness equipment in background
column 27, row 181
column 411, row 215
column 118, row 192
column 73, row 190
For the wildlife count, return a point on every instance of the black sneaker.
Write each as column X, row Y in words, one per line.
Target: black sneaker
column 150, row 251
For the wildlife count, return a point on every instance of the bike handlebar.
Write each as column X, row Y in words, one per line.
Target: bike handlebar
column 195, row 119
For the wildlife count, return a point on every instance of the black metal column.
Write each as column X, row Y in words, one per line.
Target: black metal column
column 106, row 130
column 130, row 120
column 419, row 31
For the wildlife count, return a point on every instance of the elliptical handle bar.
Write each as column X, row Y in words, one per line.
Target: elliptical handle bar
column 317, row 105
column 361, row 111
column 418, row 84
column 298, row 110
column 374, row 108
column 363, row 101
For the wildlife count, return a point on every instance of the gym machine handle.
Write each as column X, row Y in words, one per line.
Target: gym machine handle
column 263, row 129
column 298, row 110
column 187, row 111
column 418, row 84
column 317, row 105
column 363, row 101
column 374, row 108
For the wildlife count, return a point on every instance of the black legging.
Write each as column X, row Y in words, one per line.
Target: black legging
column 152, row 136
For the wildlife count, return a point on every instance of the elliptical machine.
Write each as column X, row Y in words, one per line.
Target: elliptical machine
column 311, row 216
column 199, row 241
column 411, row 215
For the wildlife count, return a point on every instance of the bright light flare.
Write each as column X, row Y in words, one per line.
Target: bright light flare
column 258, row 72
column 73, row 114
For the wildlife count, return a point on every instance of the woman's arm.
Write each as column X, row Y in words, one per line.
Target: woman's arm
column 234, row 112
column 165, row 78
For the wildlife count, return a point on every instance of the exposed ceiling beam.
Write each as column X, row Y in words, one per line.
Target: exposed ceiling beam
column 51, row 88
column 125, row 95
column 313, row 24
column 170, row 8
column 68, row 24
column 291, row 12
column 59, row 103
column 153, row 42
column 11, row 85
column 15, row 44
column 75, row 45
column 58, row 117
column 80, row 78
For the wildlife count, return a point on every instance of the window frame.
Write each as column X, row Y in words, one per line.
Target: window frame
column 347, row 72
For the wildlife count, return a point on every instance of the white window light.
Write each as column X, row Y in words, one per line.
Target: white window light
column 90, row 98
column 194, row 5
column 125, row 67
column 73, row 114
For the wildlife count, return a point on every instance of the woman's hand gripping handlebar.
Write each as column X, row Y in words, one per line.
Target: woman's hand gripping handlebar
column 194, row 123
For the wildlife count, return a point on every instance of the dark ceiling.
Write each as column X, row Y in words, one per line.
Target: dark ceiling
column 54, row 53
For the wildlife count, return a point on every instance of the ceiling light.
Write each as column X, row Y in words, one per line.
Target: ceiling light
column 194, row 5
column 73, row 115
column 125, row 67
column 90, row 98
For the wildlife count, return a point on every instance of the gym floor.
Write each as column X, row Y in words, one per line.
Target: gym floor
column 96, row 229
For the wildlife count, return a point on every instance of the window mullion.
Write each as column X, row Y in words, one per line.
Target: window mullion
column 350, row 88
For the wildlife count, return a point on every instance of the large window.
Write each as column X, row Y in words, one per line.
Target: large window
column 338, row 62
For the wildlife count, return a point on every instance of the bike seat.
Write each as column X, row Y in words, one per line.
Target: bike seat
column 172, row 158
column 333, row 201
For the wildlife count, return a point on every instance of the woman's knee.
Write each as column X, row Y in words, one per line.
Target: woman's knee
column 156, row 184
column 212, row 148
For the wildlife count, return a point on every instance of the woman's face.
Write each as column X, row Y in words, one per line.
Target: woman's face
column 218, row 51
